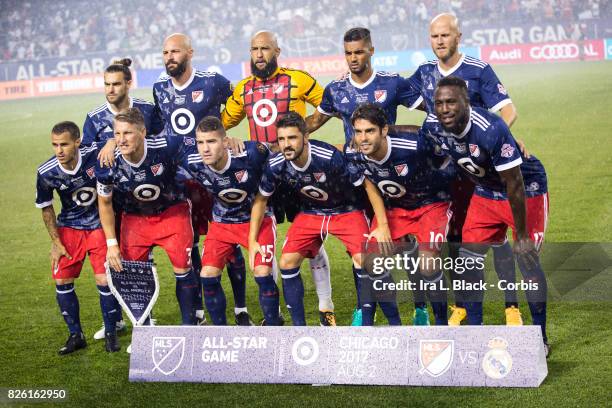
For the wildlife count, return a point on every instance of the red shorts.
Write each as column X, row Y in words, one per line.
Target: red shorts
column 222, row 239
column 201, row 206
column 308, row 231
column 488, row 220
column 80, row 243
column 171, row 230
column 461, row 192
column 429, row 224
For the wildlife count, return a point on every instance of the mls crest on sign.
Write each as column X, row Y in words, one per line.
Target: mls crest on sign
column 168, row 353
column 435, row 356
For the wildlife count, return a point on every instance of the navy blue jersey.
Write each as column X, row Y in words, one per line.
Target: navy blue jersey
column 485, row 148
column 234, row 187
column 98, row 125
column 385, row 89
column 407, row 176
column 183, row 107
column 147, row 187
column 76, row 189
column 325, row 185
column 484, row 88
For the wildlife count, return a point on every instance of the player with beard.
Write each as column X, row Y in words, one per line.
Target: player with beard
column 184, row 97
column 264, row 97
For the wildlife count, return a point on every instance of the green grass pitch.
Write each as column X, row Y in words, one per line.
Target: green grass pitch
column 564, row 117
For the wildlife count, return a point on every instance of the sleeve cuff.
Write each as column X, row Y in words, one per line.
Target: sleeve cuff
column 265, row 193
column 510, row 165
column 45, row 204
column 416, row 103
column 500, row 105
column 359, row 182
column 323, row 111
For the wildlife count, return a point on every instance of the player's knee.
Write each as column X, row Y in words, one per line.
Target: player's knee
column 64, row 281
column 101, row 279
column 210, row 272
column 357, row 260
column 262, row 271
column 290, row 261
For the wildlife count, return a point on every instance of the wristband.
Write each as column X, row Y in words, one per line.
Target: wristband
column 111, row 242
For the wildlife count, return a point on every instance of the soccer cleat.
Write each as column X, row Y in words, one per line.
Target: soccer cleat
column 420, row 316
column 75, row 342
column 513, row 316
column 243, row 319
column 327, row 318
column 281, row 320
column 201, row 321
column 129, row 349
column 459, row 314
column 99, row 335
column 357, row 319
column 547, row 349
column 111, row 342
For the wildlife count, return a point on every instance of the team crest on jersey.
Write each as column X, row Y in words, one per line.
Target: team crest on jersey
column 91, row 172
column 401, row 169
column 501, row 89
column 157, row 169
column 179, row 100
column 382, row 172
column 460, row 148
column 320, row 177
column 189, row 141
column 380, row 95
column 361, row 98
column 197, row 96
column 507, row 150
column 242, row 176
column 277, row 88
column 474, row 150
column 261, row 148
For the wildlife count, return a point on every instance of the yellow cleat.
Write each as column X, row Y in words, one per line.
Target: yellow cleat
column 459, row 315
column 513, row 316
column 327, row 318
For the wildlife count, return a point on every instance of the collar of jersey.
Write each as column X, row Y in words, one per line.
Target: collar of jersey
column 76, row 168
column 275, row 73
column 108, row 106
column 186, row 84
column 227, row 165
column 467, row 128
column 384, row 159
column 453, row 69
column 144, row 156
column 303, row 169
column 366, row 83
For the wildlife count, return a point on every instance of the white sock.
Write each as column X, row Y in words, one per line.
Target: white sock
column 319, row 265
column 238, row 310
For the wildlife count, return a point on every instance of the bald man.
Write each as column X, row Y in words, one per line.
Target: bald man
column 485, row 91
column 184, row 97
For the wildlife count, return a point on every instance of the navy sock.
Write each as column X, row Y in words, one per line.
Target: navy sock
column 503, row 259
column 110, row 309
column 186, row 286
column 472, row 276
column 268, row 299
column 214, row 298
column 197, row 300
column 474, row 313
column 391, row 312
column 357, row 287
column 236, row 271
column 368, row 303
column 69, row 306
column 438, row 298
column 536, row 298
column 293, row 291
column 196, row 260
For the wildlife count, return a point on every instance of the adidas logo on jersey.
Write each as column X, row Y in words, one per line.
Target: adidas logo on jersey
column 430, row 87
column 344, row 100
column 63, row 187
column 166, row 100
column 107, row 129
column 123, row 179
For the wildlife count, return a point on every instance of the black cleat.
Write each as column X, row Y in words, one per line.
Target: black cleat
column 111, row 342
column 327, row 318
column 75, row 342
column 243, row 319
column 547, row 349
column 281, row 320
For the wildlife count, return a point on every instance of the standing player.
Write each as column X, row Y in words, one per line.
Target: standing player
column 485, row 90
column 365, row 85
column 264, row 97
column 325, row 184
column 510, row 191
column 76, row 232
column 233, row 180
column 155, row 211
column 184, row 97
column 415, row 193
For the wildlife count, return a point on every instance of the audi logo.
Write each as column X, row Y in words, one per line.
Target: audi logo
column 554, row 51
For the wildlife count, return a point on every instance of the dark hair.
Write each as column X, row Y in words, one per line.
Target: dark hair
column 370, row 112
column 67, row 126
column 456, row 82
column 358, row 34
column 122, row 65
column 210, row 124
column 131, row 115
column 292, row 119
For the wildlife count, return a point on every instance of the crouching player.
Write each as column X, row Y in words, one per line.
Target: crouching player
column 326, row 186
column 155, row 211
column 233, row 180
column 510, row 192
column 77, row 231
column 416, row 194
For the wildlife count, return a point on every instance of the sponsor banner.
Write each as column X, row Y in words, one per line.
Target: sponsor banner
column 483, row 356
column 590, row 50
column 147, row 77
column 608, row 45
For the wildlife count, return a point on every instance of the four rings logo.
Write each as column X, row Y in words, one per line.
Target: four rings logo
column 561, row 51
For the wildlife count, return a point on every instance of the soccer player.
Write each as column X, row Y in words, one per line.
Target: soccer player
column 510, row 191
column 330, row 204
column 76, row 233
column 264, row 97
column 155, row 211
column 184, row 97
column 485, row 90
column 233, row 180
column 415, row 192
